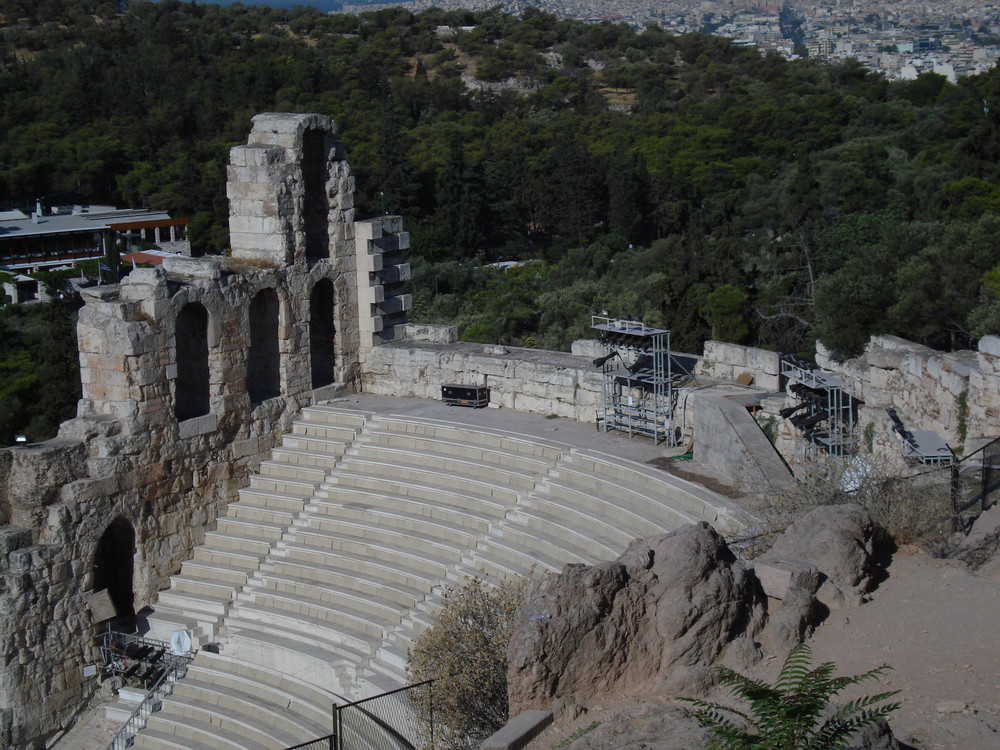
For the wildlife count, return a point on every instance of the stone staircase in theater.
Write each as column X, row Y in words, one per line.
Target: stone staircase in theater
column 320, row 576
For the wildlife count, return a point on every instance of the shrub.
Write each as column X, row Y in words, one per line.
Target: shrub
column 789, row 715
column 912, row 509
column 465, row 650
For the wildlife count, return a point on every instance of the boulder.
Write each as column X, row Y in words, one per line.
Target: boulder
column 841, row 542
column 792, row 622
column 645, row 624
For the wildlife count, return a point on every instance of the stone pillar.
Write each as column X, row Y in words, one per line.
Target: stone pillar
column 382, row 305
column 280, row 198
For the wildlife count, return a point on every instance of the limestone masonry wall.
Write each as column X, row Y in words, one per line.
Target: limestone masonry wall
column 190, row 373
column 954, row 393
column 523, row 379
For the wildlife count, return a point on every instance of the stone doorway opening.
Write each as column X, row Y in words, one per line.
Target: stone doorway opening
column 264, row 360
column 316, row 204
column 191, row 343
column 114, row 563
column 321, row 333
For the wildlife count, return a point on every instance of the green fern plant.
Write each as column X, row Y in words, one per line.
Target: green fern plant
column 789, row 715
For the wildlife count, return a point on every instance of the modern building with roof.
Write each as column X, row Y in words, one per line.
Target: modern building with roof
column 55, row 235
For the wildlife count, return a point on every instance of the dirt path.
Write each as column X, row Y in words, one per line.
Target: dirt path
column 938, row 626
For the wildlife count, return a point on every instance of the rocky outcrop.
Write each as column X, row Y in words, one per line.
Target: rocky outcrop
column 652, row 623
column 648, row 623
column 841, row 542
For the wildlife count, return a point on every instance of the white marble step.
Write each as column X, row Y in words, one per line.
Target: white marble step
column 425, row 460
column 340, row 596
column 636, row 522
column 315, row 444
column 441, row 544
column 414, row 475
column 210, row 735
column 391, row 518
column 594, row 542
column 508, row 441
column 687, row 497
column 410, row 487
column 299, row 621
column 159, row 739
column 258, row 727
column 283, row 470
column 392, row 572
column 464, row 450
column 662, row 504
column 272, row 499
column 390, row 591
column 283, row 486
column 268, row 705
column 336, row 416
column 420, row 560
column 304, row 458
column 313, row 428
column 462, row 509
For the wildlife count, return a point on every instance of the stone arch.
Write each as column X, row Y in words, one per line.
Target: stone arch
column 263, row 380
column 315, row 203
column 191, row 397
column 322, row 333
column 113, row 568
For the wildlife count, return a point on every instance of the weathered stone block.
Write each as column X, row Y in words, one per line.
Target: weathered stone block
column 778, row 575
column 990, row 345
column 13, row 538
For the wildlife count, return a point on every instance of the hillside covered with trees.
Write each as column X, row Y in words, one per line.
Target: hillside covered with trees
column 693, row 183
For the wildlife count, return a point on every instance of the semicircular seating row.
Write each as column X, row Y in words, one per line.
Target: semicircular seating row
column 333, row 559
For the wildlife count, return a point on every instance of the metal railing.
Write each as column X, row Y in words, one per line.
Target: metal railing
column 117, row 650
column 401, row 719
column 975, row 483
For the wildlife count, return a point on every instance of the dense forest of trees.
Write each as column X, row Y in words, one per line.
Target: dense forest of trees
column 697, row 184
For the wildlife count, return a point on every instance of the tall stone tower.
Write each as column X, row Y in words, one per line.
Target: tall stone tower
column 291, row 200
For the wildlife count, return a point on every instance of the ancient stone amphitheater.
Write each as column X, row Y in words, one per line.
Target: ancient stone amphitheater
column 318, row 578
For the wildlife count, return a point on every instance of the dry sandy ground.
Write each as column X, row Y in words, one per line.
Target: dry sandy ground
column 936, row 626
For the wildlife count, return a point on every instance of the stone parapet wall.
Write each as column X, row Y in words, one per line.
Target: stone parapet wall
column 529, row 380
column 927, row 387
column 435, row 334
column 725, row 361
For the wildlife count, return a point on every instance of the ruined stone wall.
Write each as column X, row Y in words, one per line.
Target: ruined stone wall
column 529, row 380
column 928, row 387
column 956, row 394
column 182, row 397
column 727, row 361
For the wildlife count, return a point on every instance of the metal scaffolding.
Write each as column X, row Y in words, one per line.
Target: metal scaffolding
column 637, row 392
column 825, row 414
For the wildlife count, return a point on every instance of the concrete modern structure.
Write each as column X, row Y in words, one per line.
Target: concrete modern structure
column 53, row 236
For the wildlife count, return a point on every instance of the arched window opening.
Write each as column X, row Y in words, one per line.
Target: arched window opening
column 316, row 205
column 191, row 341
column 113, row 567
column 321, row 333
column 264, row 359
